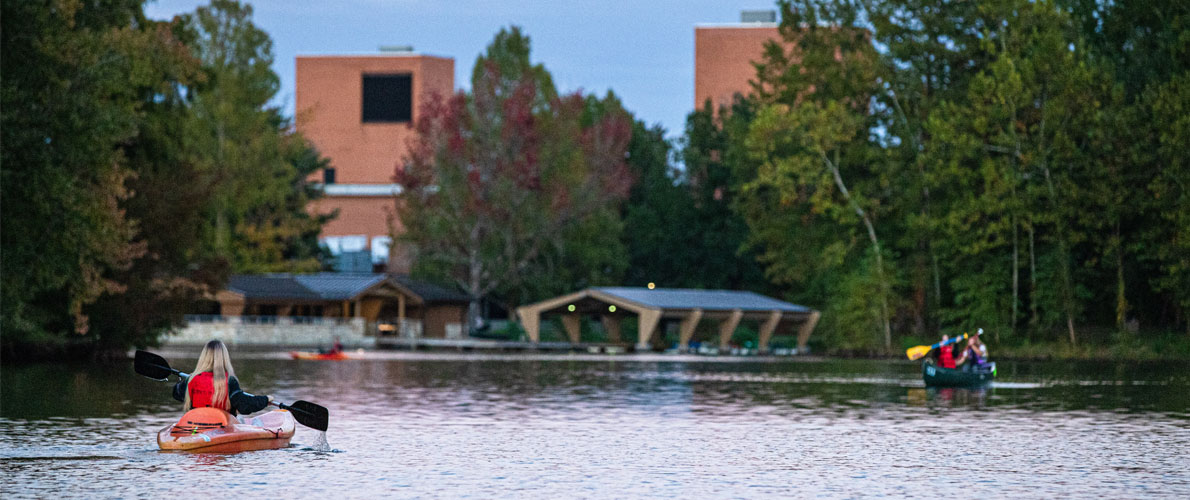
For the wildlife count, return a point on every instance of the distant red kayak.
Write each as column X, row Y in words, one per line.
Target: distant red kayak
column 337, row 356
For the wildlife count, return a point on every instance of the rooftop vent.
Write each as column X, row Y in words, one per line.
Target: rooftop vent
column 758, row 16
column 396, row 48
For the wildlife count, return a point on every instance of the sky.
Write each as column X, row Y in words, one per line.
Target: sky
column 642, row 50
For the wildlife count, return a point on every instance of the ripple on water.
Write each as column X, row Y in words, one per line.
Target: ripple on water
column 531, row 428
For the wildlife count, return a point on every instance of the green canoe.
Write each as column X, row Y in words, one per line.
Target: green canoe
column 937, row 376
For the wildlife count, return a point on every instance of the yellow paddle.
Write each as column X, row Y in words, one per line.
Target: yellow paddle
column 917, row 352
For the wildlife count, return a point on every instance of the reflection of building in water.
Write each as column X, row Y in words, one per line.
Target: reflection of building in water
column 359, row 111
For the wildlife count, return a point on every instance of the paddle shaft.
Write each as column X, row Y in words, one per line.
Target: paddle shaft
column 917, row 352
column 948, row 341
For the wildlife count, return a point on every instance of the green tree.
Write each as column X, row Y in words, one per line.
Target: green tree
column 812, row 141
column 1170, row 187
column 1146, row 46
column 112, row 128
column 932, row 49
column 256, row 163
column 717, row 254
column 73, row 73
column 657, row 229
column 1017, row 149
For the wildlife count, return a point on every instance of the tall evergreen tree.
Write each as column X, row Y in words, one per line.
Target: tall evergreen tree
column 240, row 143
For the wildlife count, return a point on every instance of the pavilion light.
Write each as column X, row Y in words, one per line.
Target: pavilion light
column 611, row 308
column 570, row 308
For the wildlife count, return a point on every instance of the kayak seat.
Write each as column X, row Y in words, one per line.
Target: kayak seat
column 202, row 419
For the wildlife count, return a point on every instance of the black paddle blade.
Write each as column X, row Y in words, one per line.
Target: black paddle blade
column 151, row 365
column 309, row 414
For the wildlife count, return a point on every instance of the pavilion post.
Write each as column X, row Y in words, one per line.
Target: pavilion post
column 647, row 322
column 727, row 327
column 611, row 324
column 573, row 325
column 803, row 334
column 686, row 332
column 767, row 329
column 531, row 322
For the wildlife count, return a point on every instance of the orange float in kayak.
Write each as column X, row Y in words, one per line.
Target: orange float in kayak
column 336, row 356
column 211, row 430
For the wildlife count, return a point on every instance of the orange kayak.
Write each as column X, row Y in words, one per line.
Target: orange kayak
column 337, row 356
column 211, row 430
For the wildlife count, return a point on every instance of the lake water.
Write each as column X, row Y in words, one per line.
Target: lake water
column 555, row 426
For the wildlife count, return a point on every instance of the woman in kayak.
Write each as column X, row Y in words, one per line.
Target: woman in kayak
column 214, row 384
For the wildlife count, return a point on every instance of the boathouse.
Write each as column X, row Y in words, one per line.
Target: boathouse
column 651, row 307
column 311, row 309
column 393, row 304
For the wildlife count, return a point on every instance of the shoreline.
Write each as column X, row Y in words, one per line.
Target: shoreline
column 260, row 352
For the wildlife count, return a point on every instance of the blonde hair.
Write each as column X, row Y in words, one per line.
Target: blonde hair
column 214, row 359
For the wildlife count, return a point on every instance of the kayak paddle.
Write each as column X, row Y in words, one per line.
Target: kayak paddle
column 305, row 412
column 154, row 366
column 917, row 352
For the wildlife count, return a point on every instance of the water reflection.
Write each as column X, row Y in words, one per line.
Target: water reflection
column 529, row 427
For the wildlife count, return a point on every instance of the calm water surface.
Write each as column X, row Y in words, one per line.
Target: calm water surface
column 440, row 426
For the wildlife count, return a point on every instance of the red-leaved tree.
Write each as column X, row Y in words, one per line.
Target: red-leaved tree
column 496, row 179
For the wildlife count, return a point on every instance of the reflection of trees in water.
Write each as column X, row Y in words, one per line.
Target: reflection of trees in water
column 95, row 390
column 445, row 388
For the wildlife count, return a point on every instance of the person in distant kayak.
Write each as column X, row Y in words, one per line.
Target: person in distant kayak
column 336, row 348
column 214, row 384
column 946, row 354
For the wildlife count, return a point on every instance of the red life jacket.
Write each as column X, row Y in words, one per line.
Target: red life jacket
column 946, row 356
column 202, row 391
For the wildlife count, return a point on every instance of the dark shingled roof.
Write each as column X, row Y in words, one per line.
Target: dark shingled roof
column 330, row 286
column 710, row 300
column 430, row 292
column 339, row 286
column 268, row 286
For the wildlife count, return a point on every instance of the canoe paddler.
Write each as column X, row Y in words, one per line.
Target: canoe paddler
column 976, row 352
column 946, row 353
column 213, row 384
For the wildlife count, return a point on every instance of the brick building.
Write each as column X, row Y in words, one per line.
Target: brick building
column 359, row 111
column 723, row 56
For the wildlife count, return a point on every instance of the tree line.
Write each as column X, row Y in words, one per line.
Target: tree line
column 142, row 164
column 908, row 167
column 1016, row 165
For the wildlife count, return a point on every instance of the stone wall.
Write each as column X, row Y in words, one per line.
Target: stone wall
column 272, row 331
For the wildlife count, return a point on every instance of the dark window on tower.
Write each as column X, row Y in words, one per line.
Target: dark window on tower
column 388, row 98
column 328, row 176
